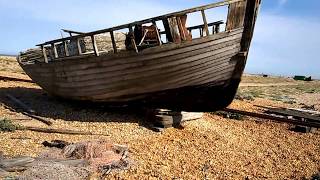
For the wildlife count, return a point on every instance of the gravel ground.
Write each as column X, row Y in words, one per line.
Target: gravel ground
column 209, row 148
column 213, row 147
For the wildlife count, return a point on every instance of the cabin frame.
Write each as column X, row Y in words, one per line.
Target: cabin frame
column 234, row 20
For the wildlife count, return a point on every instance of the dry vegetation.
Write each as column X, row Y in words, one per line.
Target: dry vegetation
column 9, row 64
column 212, row 148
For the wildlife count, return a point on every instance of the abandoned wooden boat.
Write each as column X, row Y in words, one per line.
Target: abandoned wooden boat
column 165, row 69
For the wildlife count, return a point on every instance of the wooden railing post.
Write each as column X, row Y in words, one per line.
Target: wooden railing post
column 217, row 28
column 79, row 46
column 157, row 31
column 54, row 50
column 201, row 32
column 66, row 50
column 114, row 45
column 206, row 28
column 94, row 44
column 132, row 38
column 44, row 54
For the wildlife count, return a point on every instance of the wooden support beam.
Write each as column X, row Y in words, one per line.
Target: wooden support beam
column 44, row 51
column 158, row 33
column 66, row 50
column 79, row 47
column 201, row 32
column 94, row 44
column 206, row 28
column 217, row 28
column 114, row 45
column 182, row 32
column 54, row 50
column 132, row 38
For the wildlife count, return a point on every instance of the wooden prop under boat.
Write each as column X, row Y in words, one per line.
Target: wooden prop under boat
column 200, row 74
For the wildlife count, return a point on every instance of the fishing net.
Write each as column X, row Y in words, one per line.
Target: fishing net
column 78, row 161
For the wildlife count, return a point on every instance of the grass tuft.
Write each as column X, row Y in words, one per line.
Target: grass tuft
column 6, row 125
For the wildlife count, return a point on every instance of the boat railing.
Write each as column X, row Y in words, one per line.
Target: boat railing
column 79, row 35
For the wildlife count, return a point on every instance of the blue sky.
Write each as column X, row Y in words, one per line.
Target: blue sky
column 286, row 40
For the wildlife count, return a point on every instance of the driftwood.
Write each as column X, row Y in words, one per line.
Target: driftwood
column 7, row 78
column 58, row 131
column 274, row 118
column 299, row 113
column 47, row 122
column 27, row 110
column 16, row 164
column 23, row 163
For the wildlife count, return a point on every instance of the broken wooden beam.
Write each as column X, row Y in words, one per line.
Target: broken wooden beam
column 274, row 118
column 15, row 164
column 292, row 112
column 206, row 27
column 8, row 78
column 58, row 131
column 132, row 39
column 114, row 44
column 44, row 52
column 94, row 44
column 47, row 122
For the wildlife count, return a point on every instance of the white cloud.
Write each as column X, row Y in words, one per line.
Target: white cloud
column 285, row 46
column 86, row 13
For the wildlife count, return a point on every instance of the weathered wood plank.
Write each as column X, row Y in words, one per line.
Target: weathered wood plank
column 187, row 75
column 94, row 44
column 182, row 78
column 44, row 51
column 251, row 12
column 122, row 70
column 274, row 118
column 8, row 164
column 79, row 47
column 54, row 51
column 66, row 49
column 161, row 52
column 157, row 32
column 114, row 45
column 236, row 15
column 132, row 38
column 176, row 73
column 206, row 28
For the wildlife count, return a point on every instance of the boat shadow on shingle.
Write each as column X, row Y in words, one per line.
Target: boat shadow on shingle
column 54, row 108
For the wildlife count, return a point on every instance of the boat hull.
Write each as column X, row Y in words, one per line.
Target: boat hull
column 192, row 76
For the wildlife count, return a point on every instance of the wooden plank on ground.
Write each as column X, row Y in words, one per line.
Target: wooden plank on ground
column 274, row 118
